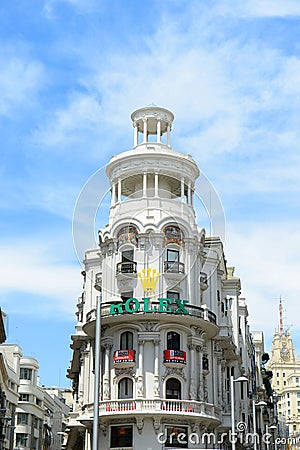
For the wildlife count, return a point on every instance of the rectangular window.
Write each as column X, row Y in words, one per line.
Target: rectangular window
column 297, row 379
column 277, row 374
column 294, row 427
column 25, row 374
column 288, row 395
column 172, row 255
column 24, row 398
column 177, row 437
column 36, row 423
column 21, row 440
column 289, row 403
column 173, row 295
column 121, row 436
column 284, row 383
column 127, row 256
column 298, row 403
column 298, row 394
column 283, row 374
column 22, row 419
column 126, row 295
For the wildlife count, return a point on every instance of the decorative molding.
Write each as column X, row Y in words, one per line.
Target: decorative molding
column 103, row 427
column 139, row 424
column 173, row 371
column 126, row 371
column 156, row 424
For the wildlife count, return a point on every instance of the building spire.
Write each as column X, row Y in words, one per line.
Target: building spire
column 281, row 330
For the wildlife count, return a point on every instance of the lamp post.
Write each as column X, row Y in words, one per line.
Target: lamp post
column 232, row 381
column 97, row 370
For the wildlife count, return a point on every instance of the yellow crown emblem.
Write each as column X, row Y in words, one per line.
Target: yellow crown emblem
column 149, row 278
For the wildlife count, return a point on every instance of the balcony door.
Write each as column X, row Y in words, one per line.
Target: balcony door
column 125, row 388
column 173, row 389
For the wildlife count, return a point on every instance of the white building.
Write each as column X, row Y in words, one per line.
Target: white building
column 173, row 326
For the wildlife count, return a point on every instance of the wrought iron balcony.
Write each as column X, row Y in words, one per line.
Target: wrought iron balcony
column 126, row 267
column 173, row 267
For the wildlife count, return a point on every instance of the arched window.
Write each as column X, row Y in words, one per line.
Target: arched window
column 173, row 389
column 126, row 341
column 173, row 340
column 125, row 388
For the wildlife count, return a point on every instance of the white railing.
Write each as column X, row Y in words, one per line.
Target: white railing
column 146, row 406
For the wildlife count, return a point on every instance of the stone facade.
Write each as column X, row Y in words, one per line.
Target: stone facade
column 174, row 329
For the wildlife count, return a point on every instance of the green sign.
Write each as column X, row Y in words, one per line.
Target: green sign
column 166, row 305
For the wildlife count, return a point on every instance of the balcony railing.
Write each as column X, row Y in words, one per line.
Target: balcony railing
column 126, row 267
column 173, row 267
column 174, row 358
column 159, row 406
column 124, row 358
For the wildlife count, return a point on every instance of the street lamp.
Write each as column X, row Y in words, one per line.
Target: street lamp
column 271, row 427
column 97, row 369
column 261, row 403
column 232, row 381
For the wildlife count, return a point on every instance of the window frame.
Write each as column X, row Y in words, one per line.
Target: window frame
column 172, row 344
column 128, row 335
column 116, row 442
column 126, row 381
column 26, row 373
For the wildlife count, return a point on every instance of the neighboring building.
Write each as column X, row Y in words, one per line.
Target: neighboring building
column 174, row 328
column 9, row 382
column 32, row 417
column 56, row 415
column 286, row 379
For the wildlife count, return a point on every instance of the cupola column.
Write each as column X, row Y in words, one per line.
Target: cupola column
column 136, row 134
column 145, row 124
column 145, row 184
column 189, row 193
column 158, row 130
column 182, row 189
column 113, row 194
column 119, row 190
column 169, row 135
column 156, row 184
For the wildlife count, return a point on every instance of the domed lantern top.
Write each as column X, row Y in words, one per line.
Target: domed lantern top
column 152, row 120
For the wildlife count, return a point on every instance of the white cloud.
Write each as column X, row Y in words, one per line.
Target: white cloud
column 36, row 267
column 266, row 257
column 21, row 78
column 81, row 116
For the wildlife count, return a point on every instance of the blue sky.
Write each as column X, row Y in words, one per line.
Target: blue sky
column 71, row 73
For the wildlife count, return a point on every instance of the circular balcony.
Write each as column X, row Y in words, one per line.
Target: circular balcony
column 162, row 310
column 205, row 413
